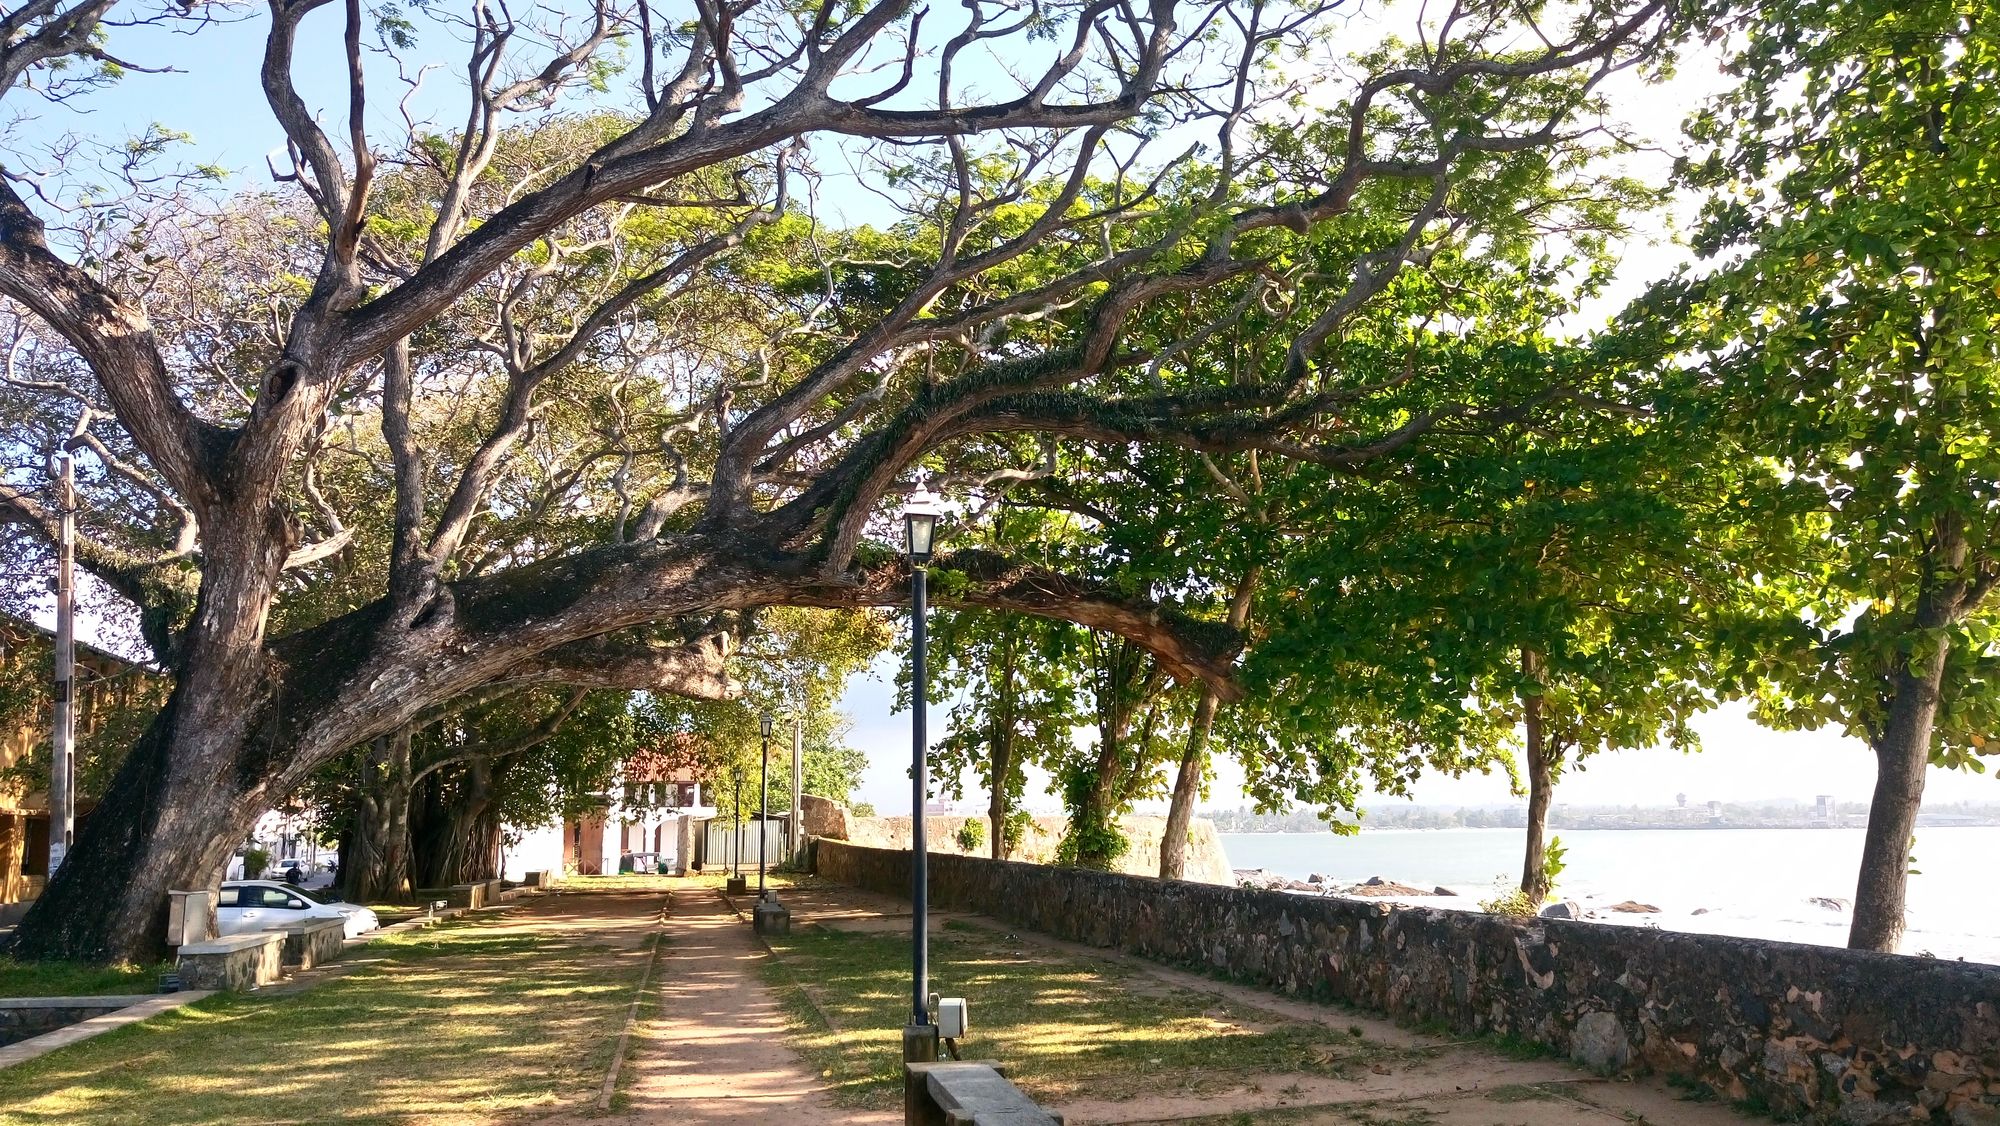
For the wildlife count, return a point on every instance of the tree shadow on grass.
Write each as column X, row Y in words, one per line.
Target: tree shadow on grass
column 445, row 1024
column 1062, row 1024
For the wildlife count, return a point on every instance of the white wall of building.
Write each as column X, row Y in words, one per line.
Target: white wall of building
column 538, row 850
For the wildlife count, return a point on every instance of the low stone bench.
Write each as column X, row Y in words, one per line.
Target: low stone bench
column 240, row 962
column 469, row 896
column 309, row 943
column 975, row 1093
column 539, row 880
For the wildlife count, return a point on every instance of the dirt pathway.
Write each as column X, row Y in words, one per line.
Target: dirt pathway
column 713, row 1051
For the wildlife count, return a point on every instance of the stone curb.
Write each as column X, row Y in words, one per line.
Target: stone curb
column 138, row 1008
column 47, row 1042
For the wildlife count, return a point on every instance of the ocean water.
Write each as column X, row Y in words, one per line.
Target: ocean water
column 1757, row 883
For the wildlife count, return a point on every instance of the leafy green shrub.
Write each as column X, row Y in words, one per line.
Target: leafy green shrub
column 1015, row 831
column 1552, row 862
column 1513, row 904
column 971, row 835
column 254, row 861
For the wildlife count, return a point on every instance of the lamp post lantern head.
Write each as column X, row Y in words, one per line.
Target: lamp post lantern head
column 920, row 518
column 764, row 724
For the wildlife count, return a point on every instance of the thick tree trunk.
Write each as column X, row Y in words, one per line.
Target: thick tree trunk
column 457, row 838
column 1187, row 787
column 1541, row 785
column 1903, row 749
column 380, row 866
column 1901, row 754
column 165, row 823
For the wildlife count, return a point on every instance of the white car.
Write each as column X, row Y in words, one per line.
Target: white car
column 249, row 906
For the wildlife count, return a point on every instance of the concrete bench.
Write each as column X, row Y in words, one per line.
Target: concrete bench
column 975, row 1093
column 313, row 941
column 239, row 962
column 538, row 880
column 469, row 896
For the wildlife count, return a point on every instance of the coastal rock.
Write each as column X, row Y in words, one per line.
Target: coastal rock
column 1315, row 878
column 1829, row 903
column 1373, row 882
column 1380, row 887
column 1567, row 909
column 1442, row 891
column 1634, row 907
column 1699, row 911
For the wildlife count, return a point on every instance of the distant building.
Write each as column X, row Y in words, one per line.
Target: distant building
column 106, row 685
column 649, row 817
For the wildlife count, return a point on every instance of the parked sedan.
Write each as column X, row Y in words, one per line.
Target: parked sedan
column 248, row 906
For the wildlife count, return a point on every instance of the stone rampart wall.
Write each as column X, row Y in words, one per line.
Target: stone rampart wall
column 1806, row 1031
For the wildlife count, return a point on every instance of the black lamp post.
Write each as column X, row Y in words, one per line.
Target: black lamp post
column 763, row 800
column 920, row 518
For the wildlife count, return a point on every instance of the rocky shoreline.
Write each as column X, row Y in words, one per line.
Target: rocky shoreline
column 1378, row 887
column 1374, row 887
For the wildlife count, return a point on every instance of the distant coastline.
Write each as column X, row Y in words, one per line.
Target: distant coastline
column 1823, row 814
column 1646, row 826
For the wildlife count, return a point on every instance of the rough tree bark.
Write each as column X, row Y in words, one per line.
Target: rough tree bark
column 1194, row 760
column 455, row 829
column 378, row 866
column 1903, row 746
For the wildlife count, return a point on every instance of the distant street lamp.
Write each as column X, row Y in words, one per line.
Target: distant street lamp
column 920, row 518
column 736, row 885
column 763, row 800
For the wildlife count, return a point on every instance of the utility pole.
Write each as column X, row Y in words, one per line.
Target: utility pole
column 62, row 765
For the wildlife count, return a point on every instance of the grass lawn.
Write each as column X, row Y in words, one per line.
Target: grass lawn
column 73, row 979
column 455, row 1023
column 1063, row 1025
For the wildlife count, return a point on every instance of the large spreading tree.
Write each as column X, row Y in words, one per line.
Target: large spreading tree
column 771, row 377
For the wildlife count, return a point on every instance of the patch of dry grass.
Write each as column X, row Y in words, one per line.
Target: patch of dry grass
column 454, row 1023
column 1064, row 1025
